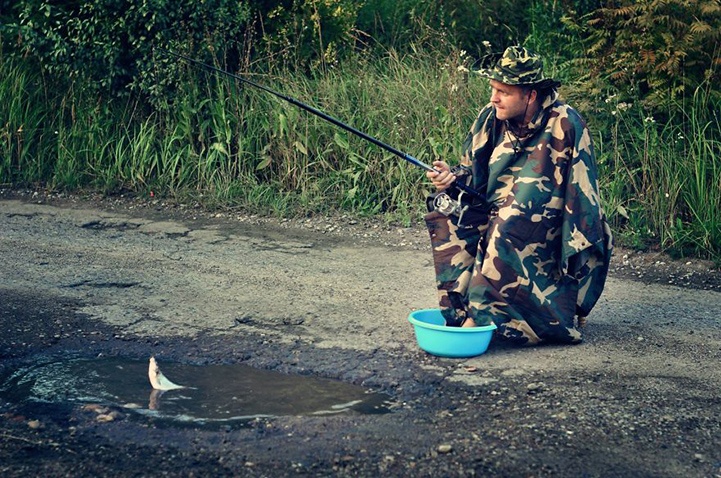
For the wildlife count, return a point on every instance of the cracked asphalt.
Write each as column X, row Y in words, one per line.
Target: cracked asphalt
column 329, row 297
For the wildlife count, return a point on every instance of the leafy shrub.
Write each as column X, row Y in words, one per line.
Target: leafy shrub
column 469, row 24
column 658, row 51
column 109, row 44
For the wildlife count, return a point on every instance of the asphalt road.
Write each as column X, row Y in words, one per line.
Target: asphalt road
column 329, row 299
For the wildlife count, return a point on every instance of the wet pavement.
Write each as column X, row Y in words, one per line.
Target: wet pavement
column 104, row 284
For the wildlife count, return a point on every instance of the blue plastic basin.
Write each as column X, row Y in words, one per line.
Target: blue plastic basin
column 435, row 338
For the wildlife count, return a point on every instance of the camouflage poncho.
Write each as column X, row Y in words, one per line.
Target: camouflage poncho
column 535, row 256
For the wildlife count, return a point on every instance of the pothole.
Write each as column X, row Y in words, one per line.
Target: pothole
column 215, row 394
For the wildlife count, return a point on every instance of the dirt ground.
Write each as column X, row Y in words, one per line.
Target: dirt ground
column 329, row 297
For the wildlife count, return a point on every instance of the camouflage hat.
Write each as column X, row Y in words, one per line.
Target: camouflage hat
column 516, row 66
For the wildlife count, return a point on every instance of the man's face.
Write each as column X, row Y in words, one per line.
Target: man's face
column 510, row 101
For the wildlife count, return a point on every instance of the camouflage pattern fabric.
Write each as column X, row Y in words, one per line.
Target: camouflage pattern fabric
column 516, row 66
column 537, row 259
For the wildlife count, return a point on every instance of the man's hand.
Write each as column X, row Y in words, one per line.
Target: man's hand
column 442, row 177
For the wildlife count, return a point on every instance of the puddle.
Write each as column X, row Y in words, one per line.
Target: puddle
column 216, row 394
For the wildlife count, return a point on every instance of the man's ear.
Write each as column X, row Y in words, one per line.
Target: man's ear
column 532, row 95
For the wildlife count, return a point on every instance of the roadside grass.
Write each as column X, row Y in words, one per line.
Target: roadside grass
column 224, row 145
column 27, row 146
column 661, row 179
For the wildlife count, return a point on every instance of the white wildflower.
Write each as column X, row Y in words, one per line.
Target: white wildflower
column 623, row 106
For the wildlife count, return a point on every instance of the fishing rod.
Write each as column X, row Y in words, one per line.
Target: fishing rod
column 405, row 156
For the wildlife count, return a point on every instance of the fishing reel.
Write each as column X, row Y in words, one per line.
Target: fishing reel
column 446, row 205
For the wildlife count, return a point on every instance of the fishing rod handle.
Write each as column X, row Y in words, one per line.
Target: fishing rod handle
column 457, row 184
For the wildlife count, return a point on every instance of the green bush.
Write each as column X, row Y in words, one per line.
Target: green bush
column 109, row 44
column 654, row 51
column 473, row 26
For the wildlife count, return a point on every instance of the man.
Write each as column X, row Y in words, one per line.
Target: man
column 533, row 256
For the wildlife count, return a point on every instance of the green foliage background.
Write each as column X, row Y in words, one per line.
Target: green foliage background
column 90, row 102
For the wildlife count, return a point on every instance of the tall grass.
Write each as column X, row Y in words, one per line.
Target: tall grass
column 701, row 194
column 236, row 145
column 26, row 143
column 224, row 144
column 246, row 139
column 662, row 178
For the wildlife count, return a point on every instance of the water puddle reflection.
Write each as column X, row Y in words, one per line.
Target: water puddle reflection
column 220, row 394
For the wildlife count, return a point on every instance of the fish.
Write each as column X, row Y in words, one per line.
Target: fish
column 158, row 380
